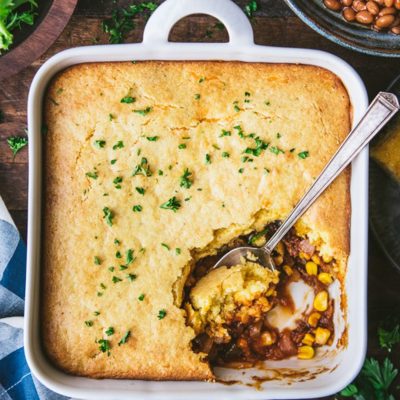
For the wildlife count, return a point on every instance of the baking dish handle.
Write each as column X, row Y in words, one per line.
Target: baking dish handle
column 171, row 11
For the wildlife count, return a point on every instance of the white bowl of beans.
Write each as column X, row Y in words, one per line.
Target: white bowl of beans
column 368, row 26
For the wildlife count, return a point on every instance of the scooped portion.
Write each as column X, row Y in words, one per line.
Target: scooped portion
column 239, row 295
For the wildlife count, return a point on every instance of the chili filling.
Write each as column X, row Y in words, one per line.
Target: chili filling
column 250, row 339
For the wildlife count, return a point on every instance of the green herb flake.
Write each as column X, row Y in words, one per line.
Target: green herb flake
column 143, row 112
column 118, row 145
column 100, row 144
column 143, row 168
column 137, row 208
column 260, row 146
column 140, row 190
column 141, row 297
column 97, row 260
column 96, row 313
column 124, row 338
column 129, row 256
column 108, row 216
column 225, row 133
column 172, row 204
column 185, row 180
column 278, row 135
column 276, row 150
column 182, row 146
column 304, row 154
column 117, row 242
column 160, row 172
column 110, row 331
column 112, row 162
column 89, row 323
column 117, row 180
column 241, row 170
column 216, row 147
column 208, row 159
column 115, row 279
column 118, row 254
column 197, row 96
column 235, row 106
column 104, row 345
column 178, row 251
column 111, row 269
column 162, row 314
column 225, row 154
column 202, row 79
column 123, row 267
column 92, row 175
column 111, row 117
column 165, row 246
column 128, row 100
column 131, row 277
column 16, row 143
column 152, row 138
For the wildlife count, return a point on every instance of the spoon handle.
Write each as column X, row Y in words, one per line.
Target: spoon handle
column 381, row 110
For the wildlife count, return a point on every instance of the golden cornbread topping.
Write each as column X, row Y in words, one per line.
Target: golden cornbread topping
column 234, row 310
column 150, row 167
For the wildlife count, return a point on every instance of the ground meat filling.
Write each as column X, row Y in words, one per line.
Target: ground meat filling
column 254, row 339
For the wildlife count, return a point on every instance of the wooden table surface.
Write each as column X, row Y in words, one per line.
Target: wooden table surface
column 274, row 24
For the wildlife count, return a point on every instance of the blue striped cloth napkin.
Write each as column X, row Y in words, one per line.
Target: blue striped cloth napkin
column 16, row 380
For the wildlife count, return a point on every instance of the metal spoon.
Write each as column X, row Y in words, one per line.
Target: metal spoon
column 381, row 110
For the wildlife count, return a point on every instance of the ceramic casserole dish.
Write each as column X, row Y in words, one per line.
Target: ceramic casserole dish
column 284, row 379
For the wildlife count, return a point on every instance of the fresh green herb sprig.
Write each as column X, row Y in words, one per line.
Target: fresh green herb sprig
column 11, row 18
column 185, row 180
column 143, row 168
column 172, row 204
column 16, row 143
column 250, row 8
column 121, row 20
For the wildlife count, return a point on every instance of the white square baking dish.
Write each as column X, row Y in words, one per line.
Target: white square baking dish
column 326, row 374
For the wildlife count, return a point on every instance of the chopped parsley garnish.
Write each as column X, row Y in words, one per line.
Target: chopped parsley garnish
column 96, row 313
column 92, row 175
column 131, row 277
column 103, row 286
column 118, row 254
column 304, row 154
column 161, row 314
column 141, row 297
column 267, row 103
column 202, row 79
column 128, row 99
column 246, row 159
column 241, row 170
column 160, row 172
column 257, row 236
column 111, row 269
column 142, row 169
column 89, row 323
column 108, row 216
column 216, row 147
column 197, row 96
column 104, row 345
column 225, row 133
column 266, row 171
column 165, row 246
column 143, row 112
column 152, row 138
column 124, row 338
column 129, row 257
column 208, row 159
column 137, row 208
column 115, row 279
column 292, row 149
column 117, row 242
column 117, row 180
column 118, row 145
column 123, row 267
column 247, row 94
column 258, row 149
column 178, row 251
column 112, row 162
column 16, row 143
column 278, row 135
column 276, row 150
column 99, row 143
column 182, row 146
column 99, row 294
column 172, row 204
column 140, row 190
column 250, row 8
column 186, row 182
column 225, row 154
column 110, row 331
column 188, row 198
column 97, row 260
column 111, row 117
column 235, row 106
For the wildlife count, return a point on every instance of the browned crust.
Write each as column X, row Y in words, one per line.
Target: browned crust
column 90, row 92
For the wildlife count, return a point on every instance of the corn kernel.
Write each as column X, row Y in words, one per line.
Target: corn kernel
column 321, row 301
column 267, row 339
column 313, row 319
column 278, row 260
column 280, row 248
column 305, row 353
column 288, row 270
column 304, row 256
column 316, row 259
column 325, row 278
column 311, row 268
column 322, row 335
column 308, row 339
column 327, row 259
